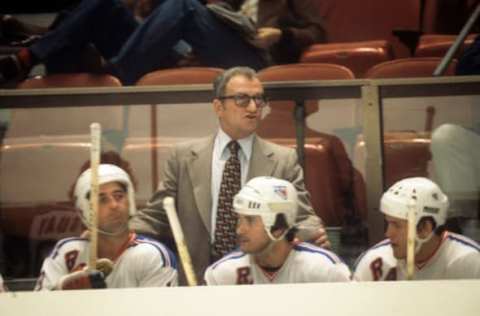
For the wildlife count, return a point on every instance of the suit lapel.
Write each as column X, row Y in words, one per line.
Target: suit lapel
column 262, row 162
column 200, row 172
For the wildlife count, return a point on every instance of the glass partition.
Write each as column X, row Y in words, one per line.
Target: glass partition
column 336, row 127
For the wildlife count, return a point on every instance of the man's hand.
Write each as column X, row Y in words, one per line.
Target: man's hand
column 266, row 37
column 318, row 237
column 85, row 279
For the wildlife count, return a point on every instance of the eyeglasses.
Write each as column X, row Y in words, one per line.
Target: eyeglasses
column 243, row 100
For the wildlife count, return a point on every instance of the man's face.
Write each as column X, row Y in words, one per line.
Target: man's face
column 251, row 235
column 113, row 208
column 397, row 233
column 239, row 122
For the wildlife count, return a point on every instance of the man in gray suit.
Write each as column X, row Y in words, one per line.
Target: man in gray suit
column 193, row 172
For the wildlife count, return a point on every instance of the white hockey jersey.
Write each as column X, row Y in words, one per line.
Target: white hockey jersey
column 305, row 263
column 143, row 263
column 457, row 257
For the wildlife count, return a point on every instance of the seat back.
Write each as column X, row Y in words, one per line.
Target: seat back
column 408, row 68
column 437, row 45
column 175, row 76
column 68, row 120
column 70, row 81
column 357, row 56
column 351, row 21
column 186, row 75
column 328, row 170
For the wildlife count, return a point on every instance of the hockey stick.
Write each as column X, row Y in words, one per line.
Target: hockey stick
column 411, row 232
column 169, row 206
column 95, row 134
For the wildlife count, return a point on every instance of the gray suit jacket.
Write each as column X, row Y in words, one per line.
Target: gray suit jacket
column 187, row 178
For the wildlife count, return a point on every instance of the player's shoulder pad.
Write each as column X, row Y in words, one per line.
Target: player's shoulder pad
column 464, row 241
column 324, row 253
column 167, row 255
column 372, row 251
column 234, row 255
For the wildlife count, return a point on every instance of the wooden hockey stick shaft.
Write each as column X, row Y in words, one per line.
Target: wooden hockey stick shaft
column 411, row 234
column 95, row 133
column 169, row 206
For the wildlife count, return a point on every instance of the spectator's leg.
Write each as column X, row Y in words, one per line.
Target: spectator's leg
column 106, row 23
column 214, row 43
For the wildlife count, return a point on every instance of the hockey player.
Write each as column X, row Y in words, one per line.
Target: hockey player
column 137, row 261
column 439, row 254
column 266, row 209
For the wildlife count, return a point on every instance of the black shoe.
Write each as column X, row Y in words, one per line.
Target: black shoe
column 11, row 69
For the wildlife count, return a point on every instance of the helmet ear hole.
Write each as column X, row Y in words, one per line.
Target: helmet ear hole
column 280, row 223
column 274, row 200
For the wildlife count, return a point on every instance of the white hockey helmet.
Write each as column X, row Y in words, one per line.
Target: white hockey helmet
column 267, row 197
column 420, row 193
column 106, row 173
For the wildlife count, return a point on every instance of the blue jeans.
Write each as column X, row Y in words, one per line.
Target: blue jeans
column 135, row 49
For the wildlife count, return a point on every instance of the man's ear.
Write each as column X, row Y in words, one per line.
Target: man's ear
column 217, row 106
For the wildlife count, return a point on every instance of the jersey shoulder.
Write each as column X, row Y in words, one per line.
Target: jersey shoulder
column 149, row 247
column 67, row 244
column 381, row 249
column 230, row 261
column 226, row 270
column 317, row 253
column 462, row 242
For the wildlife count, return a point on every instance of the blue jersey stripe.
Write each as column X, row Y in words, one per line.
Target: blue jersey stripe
column 233, row 255
column 167, row 255
column 314, row 249
column 468, row 243
column 62, row 242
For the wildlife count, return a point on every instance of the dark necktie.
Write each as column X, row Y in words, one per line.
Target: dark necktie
column 225, row 237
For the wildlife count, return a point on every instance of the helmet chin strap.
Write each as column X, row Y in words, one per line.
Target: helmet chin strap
column 103, row 232
column 118, row 233
column 419, row 241
column 272, row 241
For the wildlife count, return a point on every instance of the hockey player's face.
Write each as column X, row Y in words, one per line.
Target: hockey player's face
column 251, row 234
column 113, row 207
column 397, row 233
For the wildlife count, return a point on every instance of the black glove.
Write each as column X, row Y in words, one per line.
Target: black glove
column 87, row 279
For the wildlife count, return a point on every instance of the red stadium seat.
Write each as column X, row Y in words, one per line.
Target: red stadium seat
column 437, row 45
column 328, row 170
column 68, row 120
column 186, row 75
column 408, row 68
column 70, row 80
column 353, row 21
column 357, row 56
column 407, row 153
